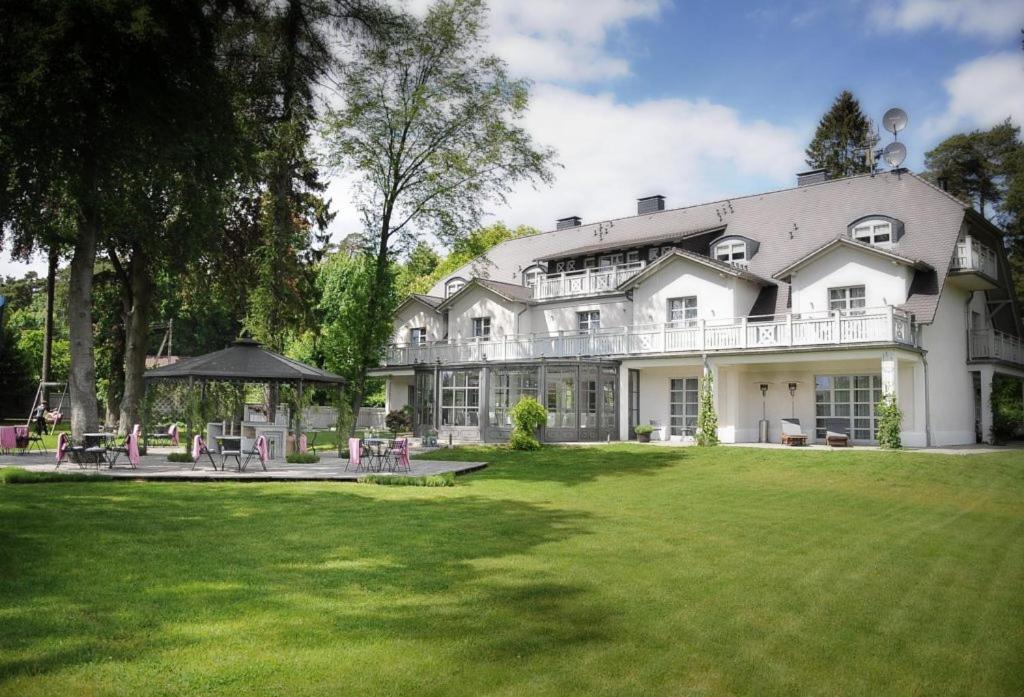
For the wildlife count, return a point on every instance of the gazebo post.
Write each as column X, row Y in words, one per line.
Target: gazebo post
column 341, row 396
column 298, row 418
column 142, row 417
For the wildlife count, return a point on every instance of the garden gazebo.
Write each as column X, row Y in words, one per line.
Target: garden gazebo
column 245, row 363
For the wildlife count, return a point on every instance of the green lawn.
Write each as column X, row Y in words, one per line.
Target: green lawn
column 616, row 570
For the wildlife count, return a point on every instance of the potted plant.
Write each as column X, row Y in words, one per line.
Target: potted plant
column 643, row 433
column 429, row 439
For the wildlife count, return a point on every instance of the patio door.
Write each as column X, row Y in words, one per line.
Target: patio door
column 683, row 406
column 851, row 398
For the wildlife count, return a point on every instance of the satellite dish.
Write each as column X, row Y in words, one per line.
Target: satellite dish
column 895, row 154
column 894, row 120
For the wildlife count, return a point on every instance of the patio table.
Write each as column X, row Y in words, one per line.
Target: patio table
column 379, row 452
column 96, row 446
column 230, row 446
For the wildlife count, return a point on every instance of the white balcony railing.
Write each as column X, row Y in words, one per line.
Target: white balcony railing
column 971, row 255
column 883, row 325
column 586, row 282
column 994, row 344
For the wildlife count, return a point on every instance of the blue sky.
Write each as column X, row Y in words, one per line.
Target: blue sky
column 699, row 100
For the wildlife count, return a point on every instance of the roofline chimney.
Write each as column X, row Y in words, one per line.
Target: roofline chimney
column 565, row 223
column 650, row 204
column 812, row 176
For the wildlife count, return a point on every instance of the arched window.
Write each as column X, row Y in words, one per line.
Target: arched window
column 879, row 230
column 453, row 286
column 532, row 276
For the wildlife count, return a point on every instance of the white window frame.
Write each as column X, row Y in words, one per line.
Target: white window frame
column 417, row 336
column 632, row 257
column 683, row 406
column 532, row 276
column 730, row 251
column 849, row 299
column 869, row 232
column 606, row 260
column 481, row 328
column 684, row 314
column 453, row 286
column 590, row 263
column 653, row 253
column 588, row 320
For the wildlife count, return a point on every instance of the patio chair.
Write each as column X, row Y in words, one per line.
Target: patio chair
column 837, row 432
column 792, row 434
column 33, row 439
column 198, row 450
column 66, row 451
column 400, row 453
column 355, row 454
column 129, row 447
column 260, row 451
column 225, row 453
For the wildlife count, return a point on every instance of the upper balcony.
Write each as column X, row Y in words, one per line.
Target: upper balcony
column 975, row 266
column 885, row 325
column 992, row 344
column 572, row 284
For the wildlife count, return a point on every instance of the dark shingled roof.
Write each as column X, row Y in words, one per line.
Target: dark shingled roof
column 788, row 224
column 243, row 360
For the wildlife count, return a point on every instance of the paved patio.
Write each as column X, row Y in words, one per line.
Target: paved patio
column 155, row 467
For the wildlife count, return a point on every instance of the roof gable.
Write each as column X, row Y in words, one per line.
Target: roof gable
column 707, row 262
column 506, row 291
column 846, row 243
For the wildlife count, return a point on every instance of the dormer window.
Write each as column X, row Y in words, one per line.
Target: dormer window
column 454, row 286
column 876, row 232
column 736, row 250
column 531, row 276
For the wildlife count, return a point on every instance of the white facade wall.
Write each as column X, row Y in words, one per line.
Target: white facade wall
column 478, row 302
column 561, row 316
column 885, row 282
column 950, row 387
column 396, row 392
column 416, row 314
column 719, row 295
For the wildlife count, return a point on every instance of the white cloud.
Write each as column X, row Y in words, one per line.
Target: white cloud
column 991, row 19
column 983, row 92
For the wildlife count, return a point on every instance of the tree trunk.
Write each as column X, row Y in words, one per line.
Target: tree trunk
column 82, row 374
column 136, row 341
column 51, row 281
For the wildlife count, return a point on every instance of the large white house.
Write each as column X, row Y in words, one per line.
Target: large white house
column 809, row 302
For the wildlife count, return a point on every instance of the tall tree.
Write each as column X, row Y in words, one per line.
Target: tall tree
column 86, row 86
column 843, row 139
column 430, row 127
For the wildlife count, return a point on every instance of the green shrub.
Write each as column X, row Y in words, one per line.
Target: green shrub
column 1007, row 408
column 707, row 419
column 301, row 458
column 443, row 479
column 180, row 457
column 641, row 429
column 527, row 416
column 17, row 475
column 890, row 421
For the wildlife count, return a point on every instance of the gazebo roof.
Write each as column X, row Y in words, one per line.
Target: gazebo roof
column 245, row 360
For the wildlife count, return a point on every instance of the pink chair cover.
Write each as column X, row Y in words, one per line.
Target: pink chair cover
column 62, row 447
column 133, row 449
column 21, row 431
column 354, row 451
column 173, row 433
column 197, row 447
column 261, row 448
column 303, row 446
column 8, row 437
column 402, row 448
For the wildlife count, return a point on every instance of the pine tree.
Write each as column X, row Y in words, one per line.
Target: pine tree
column 843, row 136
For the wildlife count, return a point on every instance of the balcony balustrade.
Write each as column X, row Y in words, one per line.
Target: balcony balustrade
column 838, row 328
column 594, row 281
column 993, row 344
column 971, row 255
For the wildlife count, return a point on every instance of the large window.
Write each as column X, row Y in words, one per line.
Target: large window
column 532, row 276
column 877, row 232
column 682, row 311
column 848, row 298
column 508, row 386
column 735, row 250
column 482, row 328
column 851, row 398
column 588, row 320
column 609, row 260
column 460, row 398
column 418, row 336
column 682, row 406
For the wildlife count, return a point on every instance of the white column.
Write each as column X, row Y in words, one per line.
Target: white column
column 623, row 402
column 987, row 373
column 890, row 374
column 918, row 436
column 711, row 368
